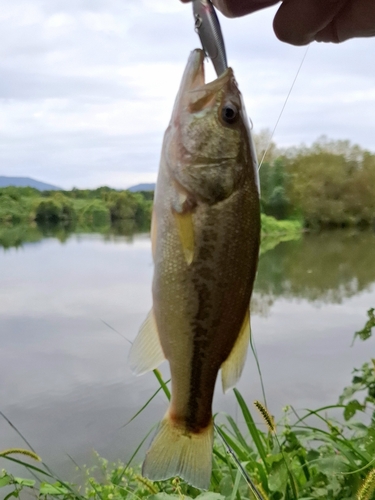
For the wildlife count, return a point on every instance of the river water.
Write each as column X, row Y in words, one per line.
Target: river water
column 69, row 308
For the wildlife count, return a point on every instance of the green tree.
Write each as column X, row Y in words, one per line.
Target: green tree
column 273, row 182
column 332, row 183
column 54, row 210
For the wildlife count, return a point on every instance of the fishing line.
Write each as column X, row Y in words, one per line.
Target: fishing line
column 283, row 107
column 243, row 471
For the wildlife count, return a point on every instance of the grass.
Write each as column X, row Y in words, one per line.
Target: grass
column 312, row 456
column 275, row 231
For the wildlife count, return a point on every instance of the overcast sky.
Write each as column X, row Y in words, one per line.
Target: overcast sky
column 87, row 86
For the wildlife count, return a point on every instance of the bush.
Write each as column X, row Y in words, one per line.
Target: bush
column 93, row 212
column 54, row 210
column 127, row 205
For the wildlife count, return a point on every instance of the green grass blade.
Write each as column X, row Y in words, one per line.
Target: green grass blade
column 254, row 351
column 254, row 432
column 315, row 412
column 342, row 445
column 238, row 434
column 137, row 450
column 145, row 405
column 30, row 467
column 235, row 492
column 162, row 384
column 340, row 438
column 237, row 450
column 240, row 467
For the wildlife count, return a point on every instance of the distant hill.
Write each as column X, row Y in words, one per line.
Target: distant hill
column 142, row 187
column 26, row 182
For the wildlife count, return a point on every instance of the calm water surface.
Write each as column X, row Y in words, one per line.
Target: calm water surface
column 66, row 309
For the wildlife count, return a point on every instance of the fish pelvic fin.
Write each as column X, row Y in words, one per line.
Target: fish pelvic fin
column 232, row 367
column 176, row 451
column 146, row 353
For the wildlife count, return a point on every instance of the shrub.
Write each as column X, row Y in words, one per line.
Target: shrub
column 54, row 210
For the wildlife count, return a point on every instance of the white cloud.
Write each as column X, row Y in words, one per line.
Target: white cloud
column 87, row 86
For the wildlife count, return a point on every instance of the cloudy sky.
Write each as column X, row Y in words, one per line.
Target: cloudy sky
column 87, row 86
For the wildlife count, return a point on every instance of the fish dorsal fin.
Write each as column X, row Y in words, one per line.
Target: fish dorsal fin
column 232, row 367
column 185, row 229
column 146, row 353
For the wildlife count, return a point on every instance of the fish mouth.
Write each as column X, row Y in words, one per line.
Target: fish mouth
column 193, row 79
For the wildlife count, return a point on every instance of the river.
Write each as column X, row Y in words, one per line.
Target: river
column 70, row 306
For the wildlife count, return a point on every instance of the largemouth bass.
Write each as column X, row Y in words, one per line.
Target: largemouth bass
column 205, row 241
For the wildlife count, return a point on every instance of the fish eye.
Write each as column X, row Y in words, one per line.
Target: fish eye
column 229, row 112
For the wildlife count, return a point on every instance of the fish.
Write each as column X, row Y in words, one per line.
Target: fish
column 205, row 236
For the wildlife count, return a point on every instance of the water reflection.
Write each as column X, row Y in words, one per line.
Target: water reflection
column 17, row 235
column 322, row 268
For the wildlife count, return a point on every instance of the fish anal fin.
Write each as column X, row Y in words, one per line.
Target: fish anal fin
column 185, row 228
column 146, row 353
column 178, row 452
column 232, row 367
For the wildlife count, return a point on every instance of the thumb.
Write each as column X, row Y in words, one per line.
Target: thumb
column 355, row 20
column 298, row 21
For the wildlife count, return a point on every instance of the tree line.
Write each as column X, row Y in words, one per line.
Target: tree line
column 99, row 207
column 329, row 184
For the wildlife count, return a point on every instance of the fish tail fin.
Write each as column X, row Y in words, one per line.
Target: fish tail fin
column 176, row 451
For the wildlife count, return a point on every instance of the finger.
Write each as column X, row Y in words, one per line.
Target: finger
column 237, row 8
column 298, row 21
column 355, row 20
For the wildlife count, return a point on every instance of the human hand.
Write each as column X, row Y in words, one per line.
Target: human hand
column 300, row 22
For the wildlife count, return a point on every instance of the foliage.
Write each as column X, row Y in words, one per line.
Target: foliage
column 14, row 208
column 276, row 231
column 99, row 206
column 332, row 183
column 273, row 184
column 366, row 331
column 56, row 209
column 127, row 205
column 362, row 382
column 92, row 211
column 270, row 225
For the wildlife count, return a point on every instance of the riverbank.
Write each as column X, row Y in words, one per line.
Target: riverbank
column 18, row 234
column 28, row 215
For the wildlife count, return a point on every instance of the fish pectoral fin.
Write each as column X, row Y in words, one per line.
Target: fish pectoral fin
column 178, row 452
column 146, row 353
column 185, row 229
column 232, row 367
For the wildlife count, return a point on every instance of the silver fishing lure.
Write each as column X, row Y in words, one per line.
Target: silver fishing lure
column 208, row 28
